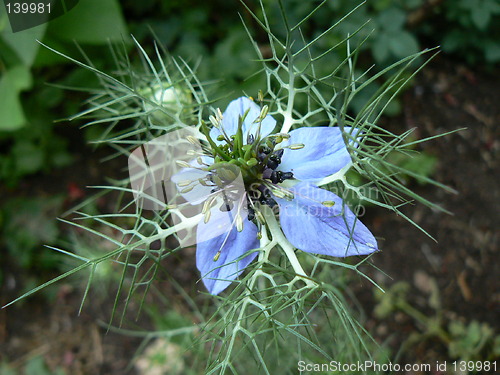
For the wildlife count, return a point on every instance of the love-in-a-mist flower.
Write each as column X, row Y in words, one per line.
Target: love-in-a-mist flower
column 278, row 173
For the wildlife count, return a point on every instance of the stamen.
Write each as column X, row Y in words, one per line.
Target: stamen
column 282, row 193
column 328, row 203
column 296, row 146
column 187, row 190
column 203, row 182
column 200, row 161
column 207, row 216
column 239, row 223
column 193, row 140
column 260, row 96
column 185, row 183
column 216, row 119
column 183, row 164
column 217, row 256
column 208, row 204
column 263, row 113
column 218, row 113
column 260, row 217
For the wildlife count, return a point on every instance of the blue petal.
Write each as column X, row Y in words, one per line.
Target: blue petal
column 324, row 153
column 217, row 275
column 312, row 227
column 237, row 109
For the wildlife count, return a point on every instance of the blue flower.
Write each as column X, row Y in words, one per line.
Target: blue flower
column 314, row 220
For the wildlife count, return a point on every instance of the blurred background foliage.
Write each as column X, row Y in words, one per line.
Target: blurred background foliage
column 210, row 35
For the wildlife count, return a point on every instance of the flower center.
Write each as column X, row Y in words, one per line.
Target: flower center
column 257, row 159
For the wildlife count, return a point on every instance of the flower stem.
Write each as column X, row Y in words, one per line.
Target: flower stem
column 280, row 238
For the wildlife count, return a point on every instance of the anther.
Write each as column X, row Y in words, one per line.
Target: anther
column 282, row 193
column 193, row 140
column 207, row 216
column 260, row 96
column 183, row 164
column 208, row 205
column 263, row 114
column 187, row 190
column 328, row 203
column 184, row 183
column 239, row 223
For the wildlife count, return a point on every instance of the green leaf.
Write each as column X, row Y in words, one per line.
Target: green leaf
column 24, row 43
column 392, row 19
column 28, row 156
column 403, row 44
column 92, row 22
column 380, row 47
column 12, row 83
column 492, row 51
column 481, row 16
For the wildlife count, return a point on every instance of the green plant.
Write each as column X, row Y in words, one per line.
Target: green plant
column 472, row 31
column 27, row 105
column 472, row 341
column 33, row 366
